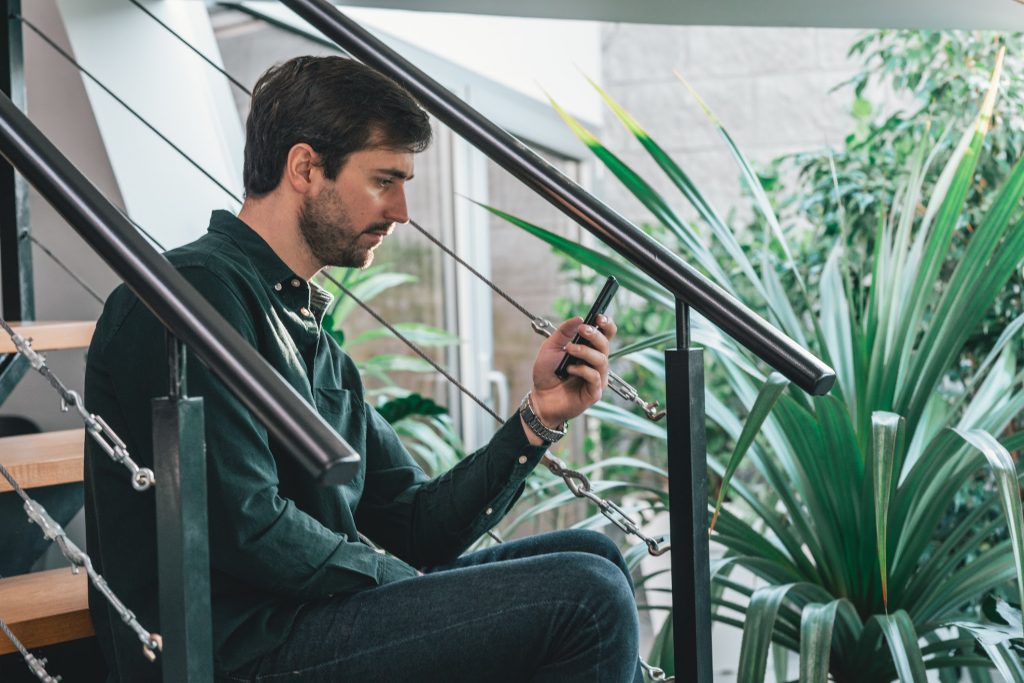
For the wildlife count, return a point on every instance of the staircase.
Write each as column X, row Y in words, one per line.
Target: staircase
column 47, row 607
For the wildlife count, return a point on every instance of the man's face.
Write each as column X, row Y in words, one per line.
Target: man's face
column 345, row 219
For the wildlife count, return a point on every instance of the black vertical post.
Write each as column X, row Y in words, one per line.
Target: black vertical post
column 688, row 496
column 15, row 248
column 183, row 550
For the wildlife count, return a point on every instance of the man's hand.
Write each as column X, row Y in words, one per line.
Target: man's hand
column 556, row 400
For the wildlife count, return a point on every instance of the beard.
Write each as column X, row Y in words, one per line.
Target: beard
column 326, row 227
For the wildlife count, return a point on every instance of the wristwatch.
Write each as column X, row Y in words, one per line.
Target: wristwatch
column 536, row 426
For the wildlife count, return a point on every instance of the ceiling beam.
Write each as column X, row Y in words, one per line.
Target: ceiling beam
column 999, row 15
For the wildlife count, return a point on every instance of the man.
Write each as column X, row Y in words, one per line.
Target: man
column 297, row 595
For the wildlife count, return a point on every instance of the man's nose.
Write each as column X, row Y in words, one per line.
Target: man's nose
column 397, row 210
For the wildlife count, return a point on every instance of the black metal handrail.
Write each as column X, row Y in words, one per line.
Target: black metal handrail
column 183, row 310
column 686, row 283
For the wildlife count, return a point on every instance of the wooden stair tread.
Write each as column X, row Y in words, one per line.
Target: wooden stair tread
column 51, row 335
column 43, row 459
column 44, row 608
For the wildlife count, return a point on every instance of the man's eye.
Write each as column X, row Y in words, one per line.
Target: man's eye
column 384, row 182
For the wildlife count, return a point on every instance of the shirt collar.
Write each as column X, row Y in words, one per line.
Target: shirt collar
column 268, row 265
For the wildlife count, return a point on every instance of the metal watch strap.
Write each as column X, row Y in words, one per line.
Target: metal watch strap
column 536, row 426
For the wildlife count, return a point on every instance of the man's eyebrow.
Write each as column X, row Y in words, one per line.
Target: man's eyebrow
column 395, row 173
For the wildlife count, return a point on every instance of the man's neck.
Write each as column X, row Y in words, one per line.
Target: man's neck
column 278, row 225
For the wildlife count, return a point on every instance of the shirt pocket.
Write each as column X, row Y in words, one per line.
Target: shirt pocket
column 345, row 412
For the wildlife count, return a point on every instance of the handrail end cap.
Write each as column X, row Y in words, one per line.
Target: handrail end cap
column 340, row 471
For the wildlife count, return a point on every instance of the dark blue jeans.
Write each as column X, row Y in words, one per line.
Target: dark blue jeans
column 557, row 607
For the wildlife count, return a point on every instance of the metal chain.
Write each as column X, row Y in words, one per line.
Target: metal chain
column 545, row 328
column 654, row 673
column 36, row 665
column 151, row 642
column 577, row 482
column 95, row 426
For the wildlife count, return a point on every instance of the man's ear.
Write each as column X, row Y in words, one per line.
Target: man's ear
column 301, row 167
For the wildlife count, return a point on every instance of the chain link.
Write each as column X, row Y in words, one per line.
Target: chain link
column 36, row 665
column 151, row 642
column 95, row 426
column 54, row 532
column 580, row 486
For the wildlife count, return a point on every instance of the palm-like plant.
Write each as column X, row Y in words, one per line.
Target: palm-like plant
column 840, row 519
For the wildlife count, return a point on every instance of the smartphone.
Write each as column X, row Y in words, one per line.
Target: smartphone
column 611, row 285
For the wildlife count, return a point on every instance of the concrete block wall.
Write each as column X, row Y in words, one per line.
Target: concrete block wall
column 770, row 87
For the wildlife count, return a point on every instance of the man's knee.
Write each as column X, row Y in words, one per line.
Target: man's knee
column 600, row 585
column 592, row 542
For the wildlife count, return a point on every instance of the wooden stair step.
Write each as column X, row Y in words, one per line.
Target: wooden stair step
column 44, row 608
column 51, row 335
column 43, row 459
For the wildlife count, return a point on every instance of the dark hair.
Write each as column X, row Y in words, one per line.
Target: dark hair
column 335, row 105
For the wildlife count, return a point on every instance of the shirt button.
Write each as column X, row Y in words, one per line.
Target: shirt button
column 522, row 459
column 305, row 311
column 489, row 511
column 277, row 287
column 296, row 282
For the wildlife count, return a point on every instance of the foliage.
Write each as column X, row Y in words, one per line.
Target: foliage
column 920, row 81
column 856, row 482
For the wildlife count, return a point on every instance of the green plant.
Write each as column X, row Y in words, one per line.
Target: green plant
column 424, row 426
column 909, row 92
column 846, row 490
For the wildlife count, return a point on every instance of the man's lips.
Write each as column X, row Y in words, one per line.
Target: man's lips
column 382, row 232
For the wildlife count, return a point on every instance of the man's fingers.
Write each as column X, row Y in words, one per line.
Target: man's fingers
column 591, row 376
column 591, row 356
column 607, row 326
column 595, row 338
column 565, row 332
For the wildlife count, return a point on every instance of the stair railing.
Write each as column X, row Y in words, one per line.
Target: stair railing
column 178, row 443
column 684, row 366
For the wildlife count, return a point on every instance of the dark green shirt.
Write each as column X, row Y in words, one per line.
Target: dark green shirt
column 277, row 541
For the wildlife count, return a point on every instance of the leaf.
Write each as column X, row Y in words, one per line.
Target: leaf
column 753, row 184
column 766, row 398
column 1014, row 617
column 366, row 288
column 613, row 414
column 418, row 333
column 762, row 612
column 650, row 198
column 994, row 640
column 408, row 406
column 817, row 624
column 1004, row 470
column 885, row 445
column 629, row 276
column 899, row 633
column 679, row 178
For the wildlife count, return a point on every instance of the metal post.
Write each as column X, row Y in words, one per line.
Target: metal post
column 15, row 249
column 688, row 516
column 183, row 551
column 16, row 294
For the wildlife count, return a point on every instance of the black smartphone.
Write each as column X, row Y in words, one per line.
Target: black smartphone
column 611, row 285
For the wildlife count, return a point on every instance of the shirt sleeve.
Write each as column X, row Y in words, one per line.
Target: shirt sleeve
column 256, row 535
column 428, row 521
